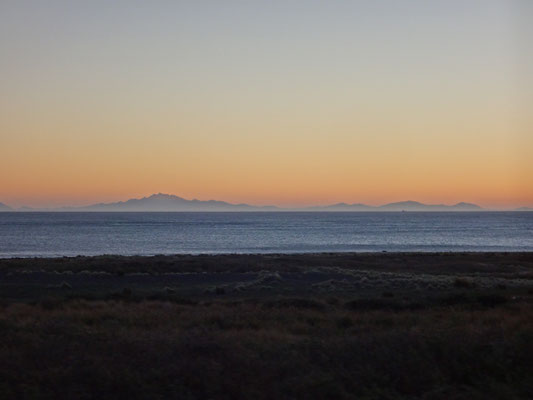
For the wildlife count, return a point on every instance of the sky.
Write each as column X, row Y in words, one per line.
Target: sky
column 267, row 102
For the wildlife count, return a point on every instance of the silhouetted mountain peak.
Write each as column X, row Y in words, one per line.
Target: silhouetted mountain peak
column 164, row 196
column 405, row 203
column 161, row 197
column 171, row 203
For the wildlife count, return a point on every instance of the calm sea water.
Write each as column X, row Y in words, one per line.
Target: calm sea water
column 69, row 234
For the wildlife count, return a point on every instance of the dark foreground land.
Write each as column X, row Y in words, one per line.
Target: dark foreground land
column 317, row 326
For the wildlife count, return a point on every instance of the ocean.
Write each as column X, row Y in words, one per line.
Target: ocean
column 54, row 234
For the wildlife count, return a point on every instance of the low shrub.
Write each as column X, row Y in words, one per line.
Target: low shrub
column 301, row 303
column 464, row 283
column 491, row 300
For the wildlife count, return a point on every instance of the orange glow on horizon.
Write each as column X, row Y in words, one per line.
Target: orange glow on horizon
column 266, row 105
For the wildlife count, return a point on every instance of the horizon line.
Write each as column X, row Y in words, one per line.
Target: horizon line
column 74, row 208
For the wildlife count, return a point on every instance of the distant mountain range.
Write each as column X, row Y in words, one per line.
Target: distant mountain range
column 167, row 202
column 400, row 206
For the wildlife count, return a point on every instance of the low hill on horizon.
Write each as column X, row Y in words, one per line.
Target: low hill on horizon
column 4, row 207
column 398, row 206
column 416, row 206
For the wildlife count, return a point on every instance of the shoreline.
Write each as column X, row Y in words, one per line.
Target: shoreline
column 380, row 253
column 296, row 253
column 277, row 253
column 263, row 275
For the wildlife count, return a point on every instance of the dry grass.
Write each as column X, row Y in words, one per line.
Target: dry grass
column 286, row 348
column 322, row 326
